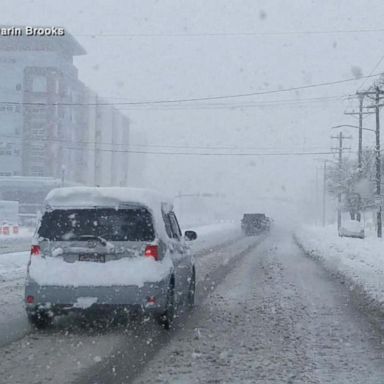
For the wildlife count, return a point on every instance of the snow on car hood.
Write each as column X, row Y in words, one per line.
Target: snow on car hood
column 125, row 271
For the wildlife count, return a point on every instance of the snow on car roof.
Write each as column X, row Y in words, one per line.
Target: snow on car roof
column 70, row 197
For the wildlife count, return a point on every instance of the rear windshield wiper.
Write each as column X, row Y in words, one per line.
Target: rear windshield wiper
column 93, row 237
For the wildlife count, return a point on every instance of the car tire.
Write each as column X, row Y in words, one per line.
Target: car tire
column 192, row 290
column 40, row 319
column 166, row 318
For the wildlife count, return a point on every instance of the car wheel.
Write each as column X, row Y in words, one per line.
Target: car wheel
column 40, row 319
column 192, row 290
column 166, row 318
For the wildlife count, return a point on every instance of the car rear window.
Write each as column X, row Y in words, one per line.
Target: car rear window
column 107, row 223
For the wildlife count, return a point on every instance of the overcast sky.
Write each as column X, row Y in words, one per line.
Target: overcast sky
column 150, row 50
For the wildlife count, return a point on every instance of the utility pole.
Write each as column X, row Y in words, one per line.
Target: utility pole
column 340, row 149
column 317, row 194
column 378, row 162
column 377, row 92
column 361, row 96
column 360, row 153
column 339, row 194
column 324, row 191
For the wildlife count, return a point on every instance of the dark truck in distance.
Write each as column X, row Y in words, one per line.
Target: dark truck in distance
column 254, row 223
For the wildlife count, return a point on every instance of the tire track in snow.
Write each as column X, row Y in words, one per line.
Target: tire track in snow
column 59, row 355
column 130, row 359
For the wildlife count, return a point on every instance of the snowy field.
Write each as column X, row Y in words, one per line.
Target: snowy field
column 360, row 262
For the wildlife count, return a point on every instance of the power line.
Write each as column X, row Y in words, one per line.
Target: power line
column 224, row 106
column 205, row 147
column 373, row 70
column 228, row 107
column 186, row 100
column 227, row 34
column 281, row 154
column 316, row 98
column 270, row 103
column 293, row 100
column 214, row 106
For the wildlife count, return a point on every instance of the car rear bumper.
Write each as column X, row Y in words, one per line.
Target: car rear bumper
column 59, row 299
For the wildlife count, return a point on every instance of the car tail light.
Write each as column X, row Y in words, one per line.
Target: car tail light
column 30, row 299
column 152, row 251
column 35, row 250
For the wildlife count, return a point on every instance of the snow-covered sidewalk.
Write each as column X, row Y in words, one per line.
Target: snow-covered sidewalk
column 16, row 242
column 360, row 262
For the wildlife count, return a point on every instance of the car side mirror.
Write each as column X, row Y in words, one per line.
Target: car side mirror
column 190, row 235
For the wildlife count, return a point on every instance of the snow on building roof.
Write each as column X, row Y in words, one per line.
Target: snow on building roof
column 106, row 196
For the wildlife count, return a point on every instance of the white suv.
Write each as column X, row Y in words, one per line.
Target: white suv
column 108, row 248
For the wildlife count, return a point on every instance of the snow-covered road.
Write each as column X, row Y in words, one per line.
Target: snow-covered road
column 59, row 354
column 277, row 318
column 266, row 313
